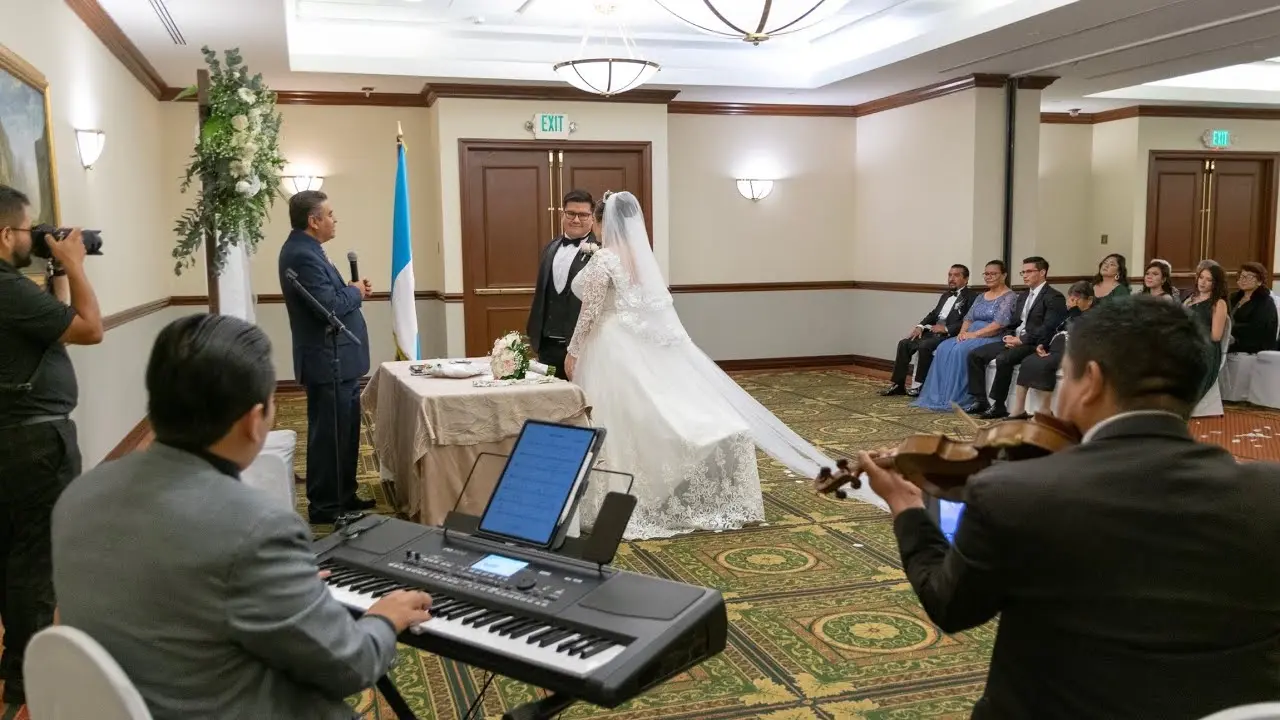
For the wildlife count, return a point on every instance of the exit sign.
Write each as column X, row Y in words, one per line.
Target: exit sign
column 1216, row 139
column 551, row 126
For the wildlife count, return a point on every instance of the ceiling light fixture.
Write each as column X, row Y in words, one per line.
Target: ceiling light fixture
column 752, row 21
column 607, row 75
column 754, row 190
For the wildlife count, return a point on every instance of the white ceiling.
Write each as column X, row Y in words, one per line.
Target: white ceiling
column 863, row 49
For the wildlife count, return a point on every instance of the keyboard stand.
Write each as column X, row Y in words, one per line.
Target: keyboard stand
column 389, row 692
column 544, row 709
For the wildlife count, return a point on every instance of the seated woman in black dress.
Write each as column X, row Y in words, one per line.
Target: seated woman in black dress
column 1208, row 305
column 1253, row 311
column 1040, row 371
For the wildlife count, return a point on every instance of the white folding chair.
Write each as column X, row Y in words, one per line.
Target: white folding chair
column 69, row 676
column 1211, row 404
column 272, row 470
column 1255, row 711
column 1237, row 376
column 1013, row 385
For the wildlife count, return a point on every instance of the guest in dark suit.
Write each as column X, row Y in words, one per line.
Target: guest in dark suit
column 204, row 590
column 330, row 490
column 1134, row 574
column 554, row 313
column 942, row 322
column 1253, row 311
column 1039, row 310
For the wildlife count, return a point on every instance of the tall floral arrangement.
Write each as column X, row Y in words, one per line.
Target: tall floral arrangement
column 237, row 156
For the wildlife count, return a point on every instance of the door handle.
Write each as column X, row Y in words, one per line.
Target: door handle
column 504, row 291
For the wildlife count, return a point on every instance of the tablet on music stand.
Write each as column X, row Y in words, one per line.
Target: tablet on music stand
column 541, row 484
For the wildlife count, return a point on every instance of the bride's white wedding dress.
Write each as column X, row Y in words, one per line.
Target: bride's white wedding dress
column 674, row 419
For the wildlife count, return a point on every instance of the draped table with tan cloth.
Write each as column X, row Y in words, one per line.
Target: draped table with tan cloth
column 428, row 432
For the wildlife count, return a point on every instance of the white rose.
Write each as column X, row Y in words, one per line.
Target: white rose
column 246, row 95
column 250, row 149
column 237, row 168
column 243, row 187
column 255, row 113
column 240, row 123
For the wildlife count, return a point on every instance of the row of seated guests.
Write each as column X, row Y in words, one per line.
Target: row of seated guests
column 968, row 329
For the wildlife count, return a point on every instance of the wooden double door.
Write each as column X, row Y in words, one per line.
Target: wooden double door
column 511, row 194
column 1218, row 206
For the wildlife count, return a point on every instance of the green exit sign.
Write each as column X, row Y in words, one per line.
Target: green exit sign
column 551, row 126
column 1217, row 139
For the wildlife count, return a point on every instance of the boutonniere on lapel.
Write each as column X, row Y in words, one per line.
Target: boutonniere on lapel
column 589, row 248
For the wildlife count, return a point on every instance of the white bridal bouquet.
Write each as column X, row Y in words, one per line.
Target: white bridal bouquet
column 511, row 357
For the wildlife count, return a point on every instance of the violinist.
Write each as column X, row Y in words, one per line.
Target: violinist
column 1134, row 574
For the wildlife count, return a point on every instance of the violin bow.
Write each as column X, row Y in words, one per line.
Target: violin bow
column 965, row 416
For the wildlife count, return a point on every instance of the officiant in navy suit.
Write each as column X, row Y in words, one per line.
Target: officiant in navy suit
column 330, row 490
column 942, row 322
column 554, row 313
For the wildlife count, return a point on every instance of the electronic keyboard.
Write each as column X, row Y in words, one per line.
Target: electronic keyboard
column 597, row 634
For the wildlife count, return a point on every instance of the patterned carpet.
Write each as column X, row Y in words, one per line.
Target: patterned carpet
column 823, row 623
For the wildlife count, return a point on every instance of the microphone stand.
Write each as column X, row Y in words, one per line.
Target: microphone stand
column 335, row 328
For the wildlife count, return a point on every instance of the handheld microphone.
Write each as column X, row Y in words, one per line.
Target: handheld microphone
column 351, row 258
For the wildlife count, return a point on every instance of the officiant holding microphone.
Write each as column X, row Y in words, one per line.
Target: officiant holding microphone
column 331, row 489
column 554, row 312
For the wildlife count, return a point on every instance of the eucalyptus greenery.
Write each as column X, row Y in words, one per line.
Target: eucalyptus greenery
column 235, row 166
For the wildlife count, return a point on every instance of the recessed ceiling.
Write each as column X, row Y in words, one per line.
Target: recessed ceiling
column 865, row 49
column 521, row 40
column 1257, row 82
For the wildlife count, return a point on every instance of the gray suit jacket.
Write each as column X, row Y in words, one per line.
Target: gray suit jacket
column 207, row 594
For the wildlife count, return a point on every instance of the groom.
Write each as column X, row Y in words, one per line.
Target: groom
column 554, row 312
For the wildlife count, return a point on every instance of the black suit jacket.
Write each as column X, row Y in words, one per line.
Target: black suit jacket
column 1135, row 576
column 955, row 319
column 537, row 311
column 1049, row 309
column 312, row 352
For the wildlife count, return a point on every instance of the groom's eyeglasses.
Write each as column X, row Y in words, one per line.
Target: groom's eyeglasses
column 580, row 217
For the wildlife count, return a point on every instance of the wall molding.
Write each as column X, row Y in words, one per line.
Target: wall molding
column 763, row 287
column 785, row 363
column 115, row 320
column 432, row 92
column 98, row 21
column 1162, row 111
column 730, row 109
column 874, row 363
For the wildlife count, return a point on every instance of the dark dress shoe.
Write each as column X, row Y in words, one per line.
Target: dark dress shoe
column 997, row 412
column 1019, row 416
column 357, row 503
column 978, row 408
column 915, row 391
column 319, row 517
column 894, row 389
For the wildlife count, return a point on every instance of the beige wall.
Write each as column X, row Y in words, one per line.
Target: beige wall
column 799, row 233
column 121, row 196
column 1065, row 190
column 354, row 148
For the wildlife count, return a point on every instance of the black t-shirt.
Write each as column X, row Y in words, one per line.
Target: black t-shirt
column 31, row 321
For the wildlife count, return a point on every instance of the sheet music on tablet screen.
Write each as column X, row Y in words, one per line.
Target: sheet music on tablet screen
column 537, row 482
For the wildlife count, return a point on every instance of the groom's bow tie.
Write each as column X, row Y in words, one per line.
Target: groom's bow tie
column 566, row 240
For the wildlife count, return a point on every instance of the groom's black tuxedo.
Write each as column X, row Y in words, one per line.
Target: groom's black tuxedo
column 553, row 315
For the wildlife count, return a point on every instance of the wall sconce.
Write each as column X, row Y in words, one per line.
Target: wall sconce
column 754, row 190
column 298, row 183
column 89, row 143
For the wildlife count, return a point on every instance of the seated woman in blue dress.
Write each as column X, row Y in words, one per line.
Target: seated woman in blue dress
column 991, row 313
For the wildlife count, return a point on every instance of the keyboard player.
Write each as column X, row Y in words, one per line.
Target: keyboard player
column 205, row 593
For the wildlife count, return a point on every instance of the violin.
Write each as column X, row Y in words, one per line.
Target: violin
column 940, row 465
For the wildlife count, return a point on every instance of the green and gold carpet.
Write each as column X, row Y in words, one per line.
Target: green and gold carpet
column 823, row 622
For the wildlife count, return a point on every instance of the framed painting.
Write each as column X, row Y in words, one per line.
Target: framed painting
column 27, row 161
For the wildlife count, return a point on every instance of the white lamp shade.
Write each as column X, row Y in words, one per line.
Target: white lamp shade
column 606, row 76
column 89, row 143
column 297, row 183
column 755, row 189
column 747, row 19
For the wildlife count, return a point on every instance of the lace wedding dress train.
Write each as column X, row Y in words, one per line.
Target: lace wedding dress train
column 675, row 420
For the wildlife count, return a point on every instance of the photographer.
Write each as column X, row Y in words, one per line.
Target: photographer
column 39, row 454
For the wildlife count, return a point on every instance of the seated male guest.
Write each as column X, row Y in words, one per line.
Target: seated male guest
column 1039, row 310
column 942, row 322
column 202, row 589
column 1253, row 311
column 1040, row 371
column 1134, row 574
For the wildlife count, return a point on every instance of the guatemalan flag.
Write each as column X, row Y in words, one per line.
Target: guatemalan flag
column 404, row 312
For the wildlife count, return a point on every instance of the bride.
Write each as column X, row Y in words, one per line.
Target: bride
column 677, row 422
